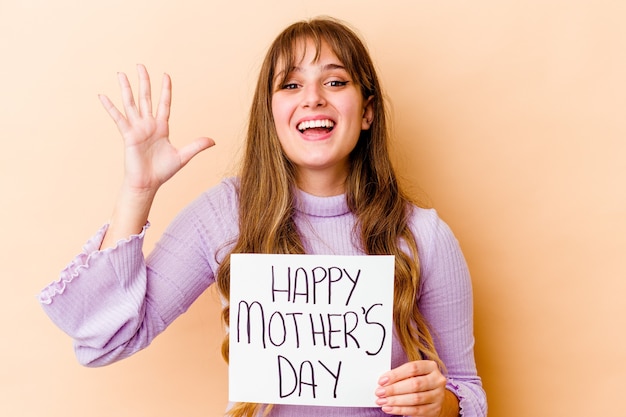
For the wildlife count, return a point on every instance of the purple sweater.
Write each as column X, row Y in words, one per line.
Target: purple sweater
column 114, row 302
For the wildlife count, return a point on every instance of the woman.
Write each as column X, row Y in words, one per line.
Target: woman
column 315, row 178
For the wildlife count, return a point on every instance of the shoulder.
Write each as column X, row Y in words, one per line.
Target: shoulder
column 426, row 224
column 436, row 242
column 223, row 196
column 217, row 205
column 226, row 190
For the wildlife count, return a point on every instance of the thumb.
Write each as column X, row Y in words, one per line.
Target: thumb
column 189, row 151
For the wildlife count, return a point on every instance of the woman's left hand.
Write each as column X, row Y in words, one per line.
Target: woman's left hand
column 416, row 388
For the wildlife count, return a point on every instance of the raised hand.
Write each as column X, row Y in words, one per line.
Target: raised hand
column 150, row 158
column 416, row 388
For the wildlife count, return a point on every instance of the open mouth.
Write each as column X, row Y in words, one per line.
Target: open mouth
column 316, row 127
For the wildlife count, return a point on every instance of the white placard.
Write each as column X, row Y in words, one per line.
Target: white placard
column 309, row 329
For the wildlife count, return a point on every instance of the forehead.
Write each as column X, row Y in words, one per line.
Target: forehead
column 305, row 51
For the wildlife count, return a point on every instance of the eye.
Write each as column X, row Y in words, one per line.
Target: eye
column 290, row 86
column 337, row 83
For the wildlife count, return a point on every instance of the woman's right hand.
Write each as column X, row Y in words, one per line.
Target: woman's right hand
column 150, row 159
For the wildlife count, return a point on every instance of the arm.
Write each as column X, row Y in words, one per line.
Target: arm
column 113, row 303
column 108, row 299
column 149, row 157
column 445, row 301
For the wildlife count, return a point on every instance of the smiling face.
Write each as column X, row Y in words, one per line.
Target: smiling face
column 319, row 113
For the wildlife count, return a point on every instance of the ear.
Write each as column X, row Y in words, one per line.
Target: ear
column 368, row 113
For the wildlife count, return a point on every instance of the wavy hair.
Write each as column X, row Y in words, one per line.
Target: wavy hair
column 381, row 208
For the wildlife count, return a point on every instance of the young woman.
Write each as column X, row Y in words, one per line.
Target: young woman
column 315, row 178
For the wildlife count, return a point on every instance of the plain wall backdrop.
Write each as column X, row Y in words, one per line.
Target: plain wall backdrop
column 509, row 116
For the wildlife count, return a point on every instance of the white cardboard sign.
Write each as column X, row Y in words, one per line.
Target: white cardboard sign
column 309, row 329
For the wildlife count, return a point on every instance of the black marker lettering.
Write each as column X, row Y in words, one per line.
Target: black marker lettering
column 317, row 332
column 354, row 282
column 319, row 275
column 348, row 333
column 382, row 339
column 301, row 272
column 310, row 382
column 331, row 280
column 332, row 330
column 249, row 320
column 281, row 380
column 272, row 333
column 274, row 290
column 335, row 376
column 295, row 326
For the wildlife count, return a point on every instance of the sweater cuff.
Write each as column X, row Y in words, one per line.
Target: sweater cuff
column 469, row 404
column 90, row 249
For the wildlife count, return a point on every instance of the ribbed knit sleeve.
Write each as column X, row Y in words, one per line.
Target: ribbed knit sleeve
column 114, row 302
column 445, row 300
column 99, row 301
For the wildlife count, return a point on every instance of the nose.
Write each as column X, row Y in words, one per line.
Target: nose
column 313, row 96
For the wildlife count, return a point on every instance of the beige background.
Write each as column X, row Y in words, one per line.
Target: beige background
column 510, row 117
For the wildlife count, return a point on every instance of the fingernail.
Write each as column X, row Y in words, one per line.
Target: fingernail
column 381, row 401
column 383, row 380
column 387, row 409
column 380, row 392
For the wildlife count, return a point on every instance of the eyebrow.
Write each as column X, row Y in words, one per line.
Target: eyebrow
column 327, row 67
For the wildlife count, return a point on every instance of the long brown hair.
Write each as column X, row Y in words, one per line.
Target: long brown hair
column 267, row 178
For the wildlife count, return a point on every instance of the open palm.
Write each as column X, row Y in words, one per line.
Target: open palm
column 150, row 158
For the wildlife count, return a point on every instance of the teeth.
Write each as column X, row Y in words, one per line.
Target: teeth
column 309, row 124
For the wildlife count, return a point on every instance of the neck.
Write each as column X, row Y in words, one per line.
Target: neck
column 321, row 183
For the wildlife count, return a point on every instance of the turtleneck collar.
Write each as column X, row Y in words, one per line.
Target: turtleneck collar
column 321, row 206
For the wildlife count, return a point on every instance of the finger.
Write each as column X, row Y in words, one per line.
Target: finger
column 414, row 398
column 165, row 101
column 407, row 370
column 145, row 91
column 194, row 148
column 405, row 386
column 416, row 404
column 128, row 101
column 116, row 115
column 420, row 410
